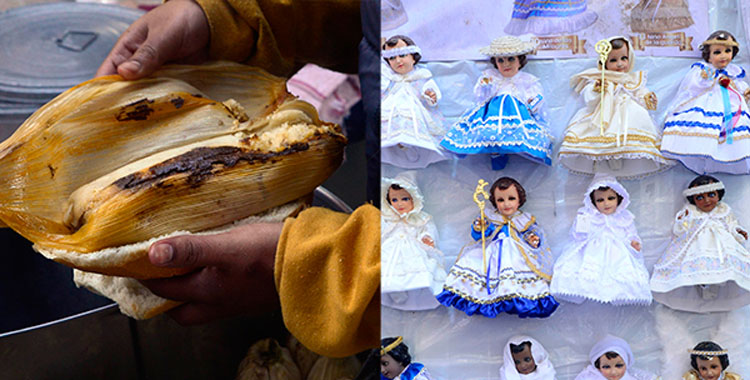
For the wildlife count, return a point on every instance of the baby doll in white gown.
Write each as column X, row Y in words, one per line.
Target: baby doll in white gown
column 612, row 359
column 525, row 359
column 706, row 267
column 603, row 260
column 412, row 272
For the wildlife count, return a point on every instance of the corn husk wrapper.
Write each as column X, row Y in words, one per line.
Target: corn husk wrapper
column 113, row 162
column 267, row 360
column 304, row 358
column 334, row 368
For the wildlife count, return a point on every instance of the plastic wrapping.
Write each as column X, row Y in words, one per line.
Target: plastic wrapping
column 453, row 345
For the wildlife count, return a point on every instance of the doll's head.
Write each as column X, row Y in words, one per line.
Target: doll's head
column 400, row 199
column 401, row 53
column 619, row 57
column 509, row 66
column 719, row 49
column 611, row 365
column 507, row 195
column 709, row 359
column 522, row 357
column 605, row 199
column 704, row 192
column 394, row 357
column 508, row 54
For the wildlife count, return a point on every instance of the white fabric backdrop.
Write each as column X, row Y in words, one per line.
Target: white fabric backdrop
column 455, row 346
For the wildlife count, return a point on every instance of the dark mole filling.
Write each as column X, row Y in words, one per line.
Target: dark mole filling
column 139, row 110
column 198, row 163
column 177, row 102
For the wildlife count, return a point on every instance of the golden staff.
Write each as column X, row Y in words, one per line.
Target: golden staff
column 602, row 47
column 480, row 190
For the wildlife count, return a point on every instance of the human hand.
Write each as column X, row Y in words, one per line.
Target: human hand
column 636, row 245
column 432, row 95
column 174, row 31
column 233, row 273
column 743, row 233
column 428, row 240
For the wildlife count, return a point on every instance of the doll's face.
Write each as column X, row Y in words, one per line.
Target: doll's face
column 719, row 55
column 524, row 361
column 706, row 201
column 506, row 201
column 618, row 59
column 401, row 200
column 507, row 66
column 401, row 64
column 709, row 369
column 605, row 201
column 612, row 369
column 389, row 367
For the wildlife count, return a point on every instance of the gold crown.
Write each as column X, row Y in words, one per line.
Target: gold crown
column 386, row 349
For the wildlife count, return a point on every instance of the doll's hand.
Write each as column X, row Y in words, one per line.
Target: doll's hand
column 432, row 95
column 743, row 233
column 724, row 81
column 747, row 95
column 486, row 80
column 651, row 101
column 683, row 215
column 598, row 85
column 533, row 240
column 479, row 224
column 636, row 245
column 427, row 240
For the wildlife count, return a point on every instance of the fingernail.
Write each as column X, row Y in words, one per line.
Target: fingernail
column 132, row 66
column 162, row 254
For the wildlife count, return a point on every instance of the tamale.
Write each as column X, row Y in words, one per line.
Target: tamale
column 111, row 163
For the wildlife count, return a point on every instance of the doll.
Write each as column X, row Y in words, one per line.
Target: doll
column 603, row 261
column 525, row 359
column 709, row 362
column 396, row 364
column 651, row 16
column 512, row 274
column 705, row 267
column 543, row 17
column 612, row 359
column 412, row 266
column 411, row 126
column 508, row 116
column 707, row 127
column 624, row 144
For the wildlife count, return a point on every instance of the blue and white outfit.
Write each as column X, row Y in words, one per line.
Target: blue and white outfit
column 599, row 262
column 708, row 126
column 413, row 371
column 411, row 127
column 509, row 277
column 503, row 122
column 544, row 17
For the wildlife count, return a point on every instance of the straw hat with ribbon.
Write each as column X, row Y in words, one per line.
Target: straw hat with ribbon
column 507, row 46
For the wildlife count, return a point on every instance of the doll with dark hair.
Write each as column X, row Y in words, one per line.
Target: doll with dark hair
column 603, row 233
column 707, row 126
column 524, row 358
column 705, row 266
column 509, row 114
column 613, row 133
column 396, row 364
column 507, row 271
column 411, row 126
column 612, row 359
column 412, row 272
column 709, row 362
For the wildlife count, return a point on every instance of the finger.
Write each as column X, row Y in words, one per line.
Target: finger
column 144, row 61
column 215, row 250
column 124, row 48
column 192, row 287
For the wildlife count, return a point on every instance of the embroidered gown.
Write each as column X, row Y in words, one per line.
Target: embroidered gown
column 628, row 134
column 412, row 272
column 706, row 249
column 414, row 371
column 543, row 17
column 411, row 127
column 514, row 278
column 599, row 263
column 502, row 122
column 708, row 126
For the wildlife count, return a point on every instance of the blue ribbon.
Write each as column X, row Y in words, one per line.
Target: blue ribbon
column 500, row 236
column 727, row 121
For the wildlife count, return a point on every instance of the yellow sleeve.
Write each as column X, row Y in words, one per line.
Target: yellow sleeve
column 281, row 35
column 327, row 274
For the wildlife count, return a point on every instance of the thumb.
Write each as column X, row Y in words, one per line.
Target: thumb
column 186, row 251
column 147, row 58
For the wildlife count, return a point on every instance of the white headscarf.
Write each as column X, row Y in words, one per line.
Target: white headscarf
column 544, row 369
column 609, row 343
column 408, row 182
